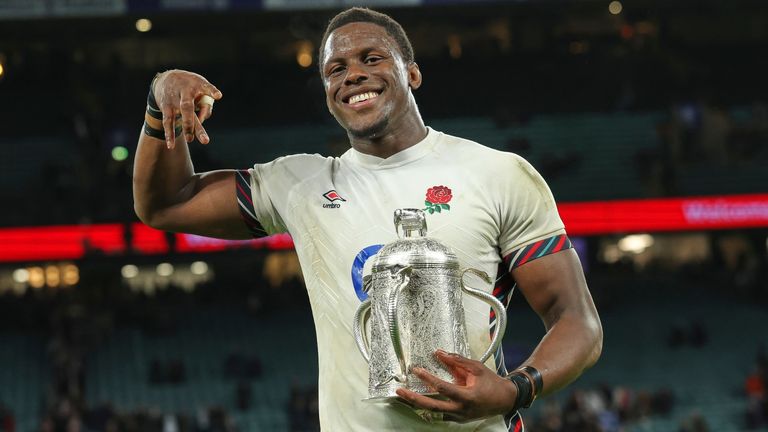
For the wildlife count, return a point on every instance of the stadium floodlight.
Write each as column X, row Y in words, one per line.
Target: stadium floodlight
column 304, row 54
column 164, row 269
column 615, row 7
column 199, row 268
column 143, row 25
column 129, row 271
column 21, row 275
column 636, row 243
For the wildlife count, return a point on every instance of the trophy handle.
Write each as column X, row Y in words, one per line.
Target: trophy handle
column 361, row 337
column 361, row 317
column 498, row 309
column 394, row 326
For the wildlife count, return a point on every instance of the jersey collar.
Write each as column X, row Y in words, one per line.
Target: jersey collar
column 412, row 153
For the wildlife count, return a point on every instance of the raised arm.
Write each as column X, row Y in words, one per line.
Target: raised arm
column 167, row 192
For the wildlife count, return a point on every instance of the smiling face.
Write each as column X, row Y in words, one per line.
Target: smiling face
column 367, row 82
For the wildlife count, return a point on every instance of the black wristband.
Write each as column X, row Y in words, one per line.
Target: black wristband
column 516, row 405
column 157, row 133
column 154, row 113
column 538, row 381
column 154, row 133
column 524, row 390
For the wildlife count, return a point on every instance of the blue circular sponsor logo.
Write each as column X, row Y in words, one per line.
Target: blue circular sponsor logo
column 357, row 269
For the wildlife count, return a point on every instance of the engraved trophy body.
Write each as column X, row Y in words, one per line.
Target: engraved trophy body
column 415, row 307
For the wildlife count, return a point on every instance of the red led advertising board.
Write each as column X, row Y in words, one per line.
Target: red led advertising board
column 583, row 218
column 671, row 214
column 195, row 243
column 61, row 242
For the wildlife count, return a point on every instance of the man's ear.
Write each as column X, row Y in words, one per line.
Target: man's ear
column 414, row 76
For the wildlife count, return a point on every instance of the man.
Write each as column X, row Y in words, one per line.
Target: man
column 492, row 207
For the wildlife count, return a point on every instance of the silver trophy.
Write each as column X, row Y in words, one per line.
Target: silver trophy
column 415, row 292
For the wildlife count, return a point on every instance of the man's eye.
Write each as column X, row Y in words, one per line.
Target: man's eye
column 372, row 59
column 336, row 70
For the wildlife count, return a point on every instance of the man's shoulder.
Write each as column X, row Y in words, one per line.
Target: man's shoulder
column 294, row 169
column 297, row 161
column 304, row 158
column 469, row 150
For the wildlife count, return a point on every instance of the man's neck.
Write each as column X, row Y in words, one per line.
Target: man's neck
column 395, row 140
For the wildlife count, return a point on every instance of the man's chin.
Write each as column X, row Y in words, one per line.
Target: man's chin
column 370, row 131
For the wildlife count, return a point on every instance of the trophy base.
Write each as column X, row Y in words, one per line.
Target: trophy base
column 398, row 399
column 428, row 416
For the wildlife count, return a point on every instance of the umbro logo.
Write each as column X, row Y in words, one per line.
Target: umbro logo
column 332, row 196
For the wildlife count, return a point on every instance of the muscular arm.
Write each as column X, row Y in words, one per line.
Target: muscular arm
column 168, row 194
column 555, row 288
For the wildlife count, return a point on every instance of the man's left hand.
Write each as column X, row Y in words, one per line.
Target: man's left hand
column 477, row 391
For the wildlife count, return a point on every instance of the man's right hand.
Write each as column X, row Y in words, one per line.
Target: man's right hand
column 178, row 92
column 167, row 192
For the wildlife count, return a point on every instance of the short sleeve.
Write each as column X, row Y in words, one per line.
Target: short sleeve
column 244, row 191
column 256, row 207
column 264, row 191
column 530, row 224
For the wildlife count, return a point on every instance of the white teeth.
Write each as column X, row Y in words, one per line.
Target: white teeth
column 362, row 97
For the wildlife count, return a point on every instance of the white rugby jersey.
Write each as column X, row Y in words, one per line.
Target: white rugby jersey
column 492, row 208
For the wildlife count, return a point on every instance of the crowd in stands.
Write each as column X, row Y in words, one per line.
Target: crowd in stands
column 74, row 331
column 167, row 372
column 105, row 418
column 601, row 409
column 701, row 132
column 83, row 187
column 692, row 334
column 756, row 392
column 75, row 325
column 302, row 409
column 78, row 320
column 7, row 419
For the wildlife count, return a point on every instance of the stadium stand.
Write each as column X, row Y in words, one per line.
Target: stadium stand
column 23, row 376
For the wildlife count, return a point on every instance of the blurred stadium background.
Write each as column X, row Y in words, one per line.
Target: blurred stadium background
column 649, row 119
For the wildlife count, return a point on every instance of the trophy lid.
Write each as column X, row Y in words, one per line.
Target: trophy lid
column 413, row 248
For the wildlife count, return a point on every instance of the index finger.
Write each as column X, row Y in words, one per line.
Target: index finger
column 211, row 90
column 168, row 125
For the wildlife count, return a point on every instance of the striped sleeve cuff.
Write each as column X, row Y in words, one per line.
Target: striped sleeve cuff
column 245, row 202
column 536, row 250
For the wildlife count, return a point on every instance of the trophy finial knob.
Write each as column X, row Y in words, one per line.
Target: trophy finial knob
column 410, row 221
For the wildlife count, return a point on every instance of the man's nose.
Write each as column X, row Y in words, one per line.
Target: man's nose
column 355, row 74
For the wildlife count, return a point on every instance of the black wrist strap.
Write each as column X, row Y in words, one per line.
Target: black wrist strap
column 516, row 406
column 154, row 133
column 538, row 381
column 524, row 390
column 158, row 133
column 156, row 114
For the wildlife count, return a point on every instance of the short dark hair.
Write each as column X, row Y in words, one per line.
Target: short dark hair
column 359, row 14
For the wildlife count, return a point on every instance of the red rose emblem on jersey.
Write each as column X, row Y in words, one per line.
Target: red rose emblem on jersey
column 437, row 199
column 439, row 195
